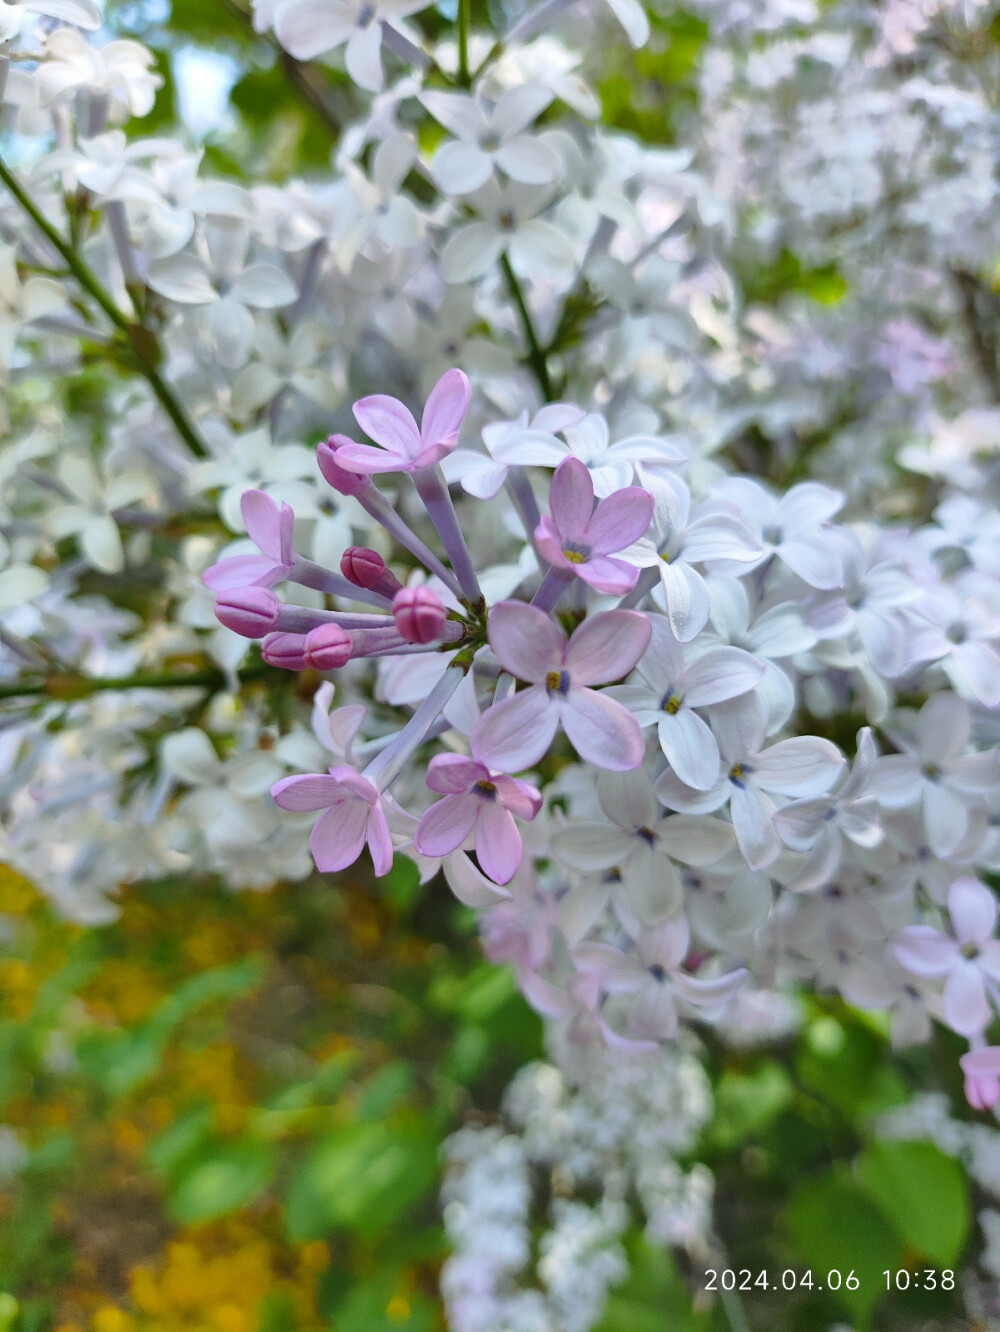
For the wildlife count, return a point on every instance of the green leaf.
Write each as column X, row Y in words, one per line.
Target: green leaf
column 923, row 1192
column 223, row 1177
column 746, row 1103
column 361, row 1179
column 376, row 1305
column 835, row 1226
column 178, row 1140
column 385, row 1090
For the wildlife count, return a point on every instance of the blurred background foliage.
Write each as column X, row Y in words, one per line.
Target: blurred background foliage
column 225, row 1113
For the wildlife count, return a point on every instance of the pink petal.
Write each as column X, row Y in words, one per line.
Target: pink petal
column 356, row 784
column 619, row 520
column 379, row 842
column 924, row 951
column 602, row 731
column 514, row 734
column 973, row 910
column 242, row 571
column 286, row 526
column 445, row 409
column 446, row 825
column 668, row 943
column 389, row 423
column 339, row 835
column 607, row 646
column 527, row 642
column 453, row 774
column 306, row 792
column 983, row 1063
column 571, row 498
column 605, row 574
column 498, row 842
column 964, row 1001
column 261, row 517
column 363, row 459
column 520, row 797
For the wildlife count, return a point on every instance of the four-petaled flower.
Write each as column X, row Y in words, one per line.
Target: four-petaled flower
column 969, row 959
column 479, row 802
column 272, row 530
column 515, row 733
column 581, row 538
column 353, row 817
column 407, row 447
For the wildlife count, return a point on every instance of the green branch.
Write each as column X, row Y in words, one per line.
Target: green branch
column 68, row 687
column 137, row 337
column 536, row 356
column 464, row 23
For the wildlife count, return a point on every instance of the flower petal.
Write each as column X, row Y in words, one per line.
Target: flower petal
column 607, row 646
column 602, row 731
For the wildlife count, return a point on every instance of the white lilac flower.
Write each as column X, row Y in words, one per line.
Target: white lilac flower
column 750, row 775
column 935, row 771
column 641, row 844
column 485, row 138
column 676, row 682
column 223, row 288
column 676, row 541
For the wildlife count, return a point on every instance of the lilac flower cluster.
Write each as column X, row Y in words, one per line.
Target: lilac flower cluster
column 671, row 643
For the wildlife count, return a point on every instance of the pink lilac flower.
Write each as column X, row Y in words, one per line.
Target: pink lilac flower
column 515, row 733
column 353, row 817
column 651, row 975
column 982, row 1076
column 405, row 446
column 272, row 531
column 478, row 802
column 581, row 538
column 969, row 959
column 803, row 766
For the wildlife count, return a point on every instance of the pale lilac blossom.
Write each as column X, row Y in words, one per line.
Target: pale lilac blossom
column 515, row 733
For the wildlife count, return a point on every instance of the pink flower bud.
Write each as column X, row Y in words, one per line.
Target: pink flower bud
column 982, row 1077
column 419, row 614
column 343, row 481
column 250, row 611
column 284, row 650
column 327, row 647
column 362, row 567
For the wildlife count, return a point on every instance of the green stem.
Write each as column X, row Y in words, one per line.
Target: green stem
column 136, row 336
column 82, row 686
column 464, row 23
column 536, row 356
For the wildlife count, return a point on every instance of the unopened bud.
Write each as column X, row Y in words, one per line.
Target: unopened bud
column 284, row 650
column 343, row 481
column 327, row 647
column 419, row 614
column 250, row 611
column 362, row 567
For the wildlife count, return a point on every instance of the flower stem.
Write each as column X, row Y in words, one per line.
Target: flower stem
column 464, row 18
column 138, row 338
column 536, row 356
column 433, row 491
column 386, row 767
column 551, row 588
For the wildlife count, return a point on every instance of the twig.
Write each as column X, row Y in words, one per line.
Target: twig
column 136, row 336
